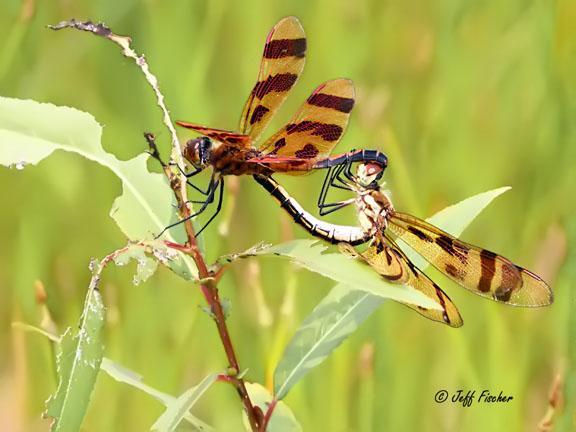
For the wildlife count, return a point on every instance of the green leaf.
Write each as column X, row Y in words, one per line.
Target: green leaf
column 336, row 317
column 123, row 375
column 30, row 131
column 342, row 311
column 145, row 266
column 78, row 363
column 177, row 409
column 127, row 376
column 282, row 419
column 350, row 273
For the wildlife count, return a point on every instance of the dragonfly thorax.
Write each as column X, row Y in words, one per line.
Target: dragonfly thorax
column 374, row 208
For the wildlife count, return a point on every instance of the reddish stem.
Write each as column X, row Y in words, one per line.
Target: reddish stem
column 210, row 292
column 268, row 415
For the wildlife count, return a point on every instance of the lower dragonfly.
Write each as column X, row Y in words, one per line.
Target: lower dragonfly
column 483, row 272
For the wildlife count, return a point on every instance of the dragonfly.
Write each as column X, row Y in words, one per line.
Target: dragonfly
column 478, row 270
column 302, row 145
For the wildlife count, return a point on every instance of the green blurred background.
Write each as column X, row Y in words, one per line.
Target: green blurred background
column 463, row 96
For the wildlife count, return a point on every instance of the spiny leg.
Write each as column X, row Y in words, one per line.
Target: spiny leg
column 218, row 207
column 196, row 171
column 333, row 176
column 349, row 174
column 332, row 207
column 330, row 181
column 209, row 199
column 325, row 186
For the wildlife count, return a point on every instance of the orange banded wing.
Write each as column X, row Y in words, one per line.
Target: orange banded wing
column 282, row 63
column 317, row 126
column 476, row 269
column 220, row 135
column 389, row 261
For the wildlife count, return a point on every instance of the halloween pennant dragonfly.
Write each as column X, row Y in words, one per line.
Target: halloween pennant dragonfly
column 483, row 272
column 302, row 145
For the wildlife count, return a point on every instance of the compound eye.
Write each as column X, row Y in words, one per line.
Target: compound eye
column 204, row 146
column 206, row 142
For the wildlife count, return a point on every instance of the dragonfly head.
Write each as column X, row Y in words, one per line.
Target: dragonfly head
column 368, row 175
column 198, row 151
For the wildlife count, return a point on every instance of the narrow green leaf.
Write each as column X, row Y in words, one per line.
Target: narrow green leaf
column 33, row 329
column 336, row 317
column 282, row 419
column 124, row 375
column 342, row 311
column 176, row 410
column 78, row 362
column 30, row 131
column 349, row 272
column 127, row 376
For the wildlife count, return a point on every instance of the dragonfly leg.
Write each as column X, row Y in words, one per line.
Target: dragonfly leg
column 332, row 207
column 334, row 179
column 209, row 199
column 218, row 207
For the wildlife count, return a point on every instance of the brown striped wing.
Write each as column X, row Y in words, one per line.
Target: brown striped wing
column 476, row 269
column 389, row 261
column 224, row 136
column 282, row 63
column 317, row 126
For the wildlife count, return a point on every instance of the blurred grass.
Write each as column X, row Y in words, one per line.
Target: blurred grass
column 463, row 96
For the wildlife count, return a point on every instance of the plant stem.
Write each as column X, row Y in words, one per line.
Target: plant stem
column 178, row 185
column 268, row 415
column 210, row 291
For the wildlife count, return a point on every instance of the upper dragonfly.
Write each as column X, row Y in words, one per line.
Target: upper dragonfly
column 478, row 270
column 303, row 144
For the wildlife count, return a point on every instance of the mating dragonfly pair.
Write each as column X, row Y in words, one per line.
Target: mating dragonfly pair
column 305, row 144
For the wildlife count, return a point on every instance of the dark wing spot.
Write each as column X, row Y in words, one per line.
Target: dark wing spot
column 456, row 250
column 303, row 126
column 455, row 272
column 502, row 295
column 440, row 295
column 511, row 280
column 285, row 48
column 421, row 235
column 328, row 132
column 274, row 83
column 488, row 261
column 309, row 151
column 258, row 113
column 338, row 103
column 278, row 145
